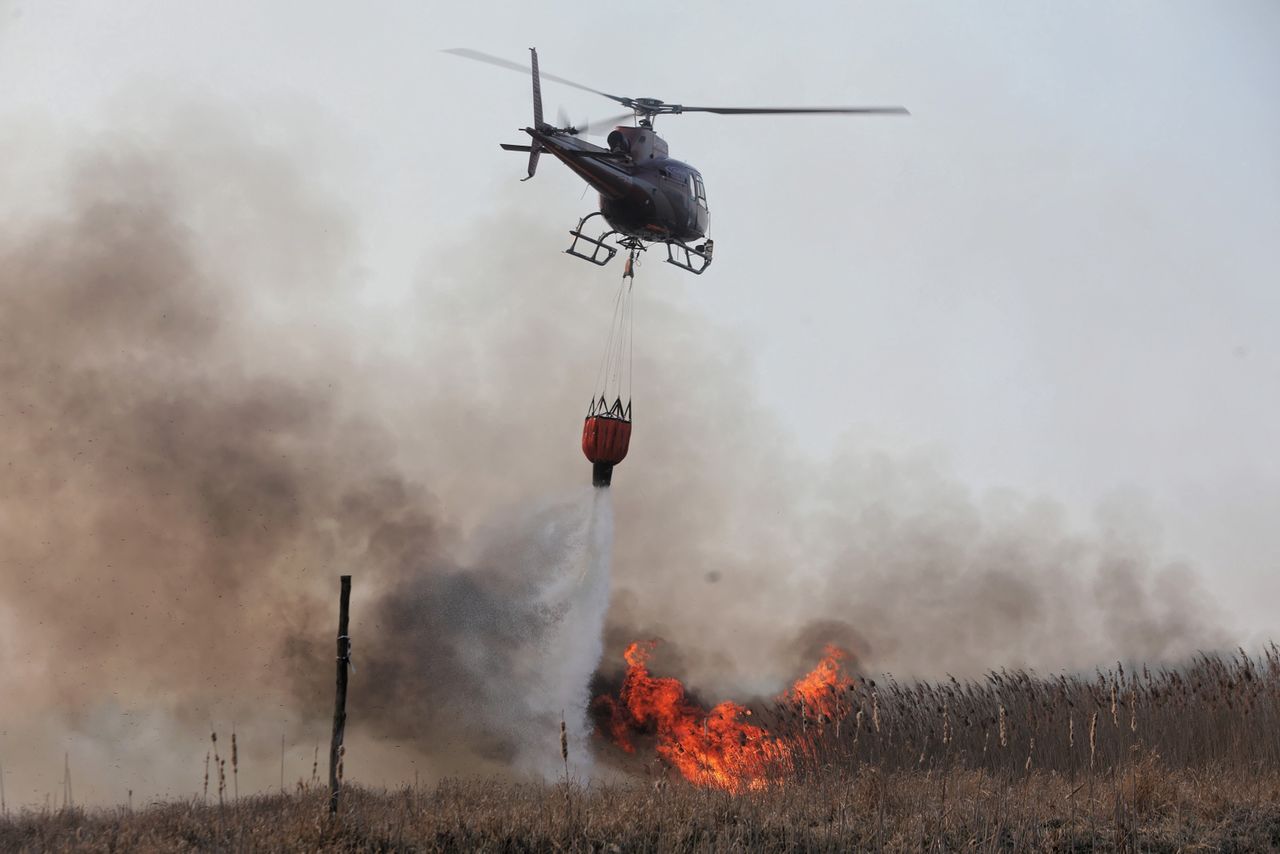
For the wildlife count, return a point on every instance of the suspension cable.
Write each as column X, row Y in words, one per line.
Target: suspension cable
column 614, row 378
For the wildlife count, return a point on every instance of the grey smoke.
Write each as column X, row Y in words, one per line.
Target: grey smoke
column 201, row 428
column 185, row 479
column 493, row 655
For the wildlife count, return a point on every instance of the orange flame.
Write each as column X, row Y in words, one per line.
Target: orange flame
column 821, row 690
column 715, row 748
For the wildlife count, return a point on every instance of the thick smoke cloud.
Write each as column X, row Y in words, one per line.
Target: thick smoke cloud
column 201, row 427
column 188, row 471
column 740, row 551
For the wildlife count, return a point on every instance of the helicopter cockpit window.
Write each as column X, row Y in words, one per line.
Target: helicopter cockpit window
column 699, row 192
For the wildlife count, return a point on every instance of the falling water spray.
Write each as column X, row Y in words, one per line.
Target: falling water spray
column 573, row 596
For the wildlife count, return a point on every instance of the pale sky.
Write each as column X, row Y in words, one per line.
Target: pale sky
column 1058, row 275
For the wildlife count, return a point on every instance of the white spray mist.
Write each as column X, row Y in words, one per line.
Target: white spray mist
column 563, row 553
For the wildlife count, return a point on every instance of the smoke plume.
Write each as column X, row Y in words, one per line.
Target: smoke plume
column 202, row 425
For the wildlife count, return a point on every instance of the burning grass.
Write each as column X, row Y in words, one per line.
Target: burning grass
column 1215, row 712
column 1165, row 759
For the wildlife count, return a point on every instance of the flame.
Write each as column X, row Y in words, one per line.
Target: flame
column 717, row 747
column 822, row 689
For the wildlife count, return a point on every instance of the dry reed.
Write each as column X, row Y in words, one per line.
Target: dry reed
column 1177, row 759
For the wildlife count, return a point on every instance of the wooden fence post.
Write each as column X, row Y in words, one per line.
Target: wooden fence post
column 340, row 700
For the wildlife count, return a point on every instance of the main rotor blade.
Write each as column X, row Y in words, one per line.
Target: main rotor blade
column 755, row 111
column 468, row 53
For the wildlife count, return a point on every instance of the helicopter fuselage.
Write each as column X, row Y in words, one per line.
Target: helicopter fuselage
column 645, row 196
column 644, row 193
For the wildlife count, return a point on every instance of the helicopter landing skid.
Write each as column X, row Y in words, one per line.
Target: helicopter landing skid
column 695, row 259
column 597, row 244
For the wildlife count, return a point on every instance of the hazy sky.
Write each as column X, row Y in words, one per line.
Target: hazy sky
column 1058, row 275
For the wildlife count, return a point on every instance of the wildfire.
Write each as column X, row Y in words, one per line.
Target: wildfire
column 716, row 747
column 821, row 690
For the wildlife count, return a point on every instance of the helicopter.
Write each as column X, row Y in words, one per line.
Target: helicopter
column 646, row 196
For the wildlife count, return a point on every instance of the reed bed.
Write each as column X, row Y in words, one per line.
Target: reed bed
column 874, row 811
column 1122, row 759
column 1216, row 711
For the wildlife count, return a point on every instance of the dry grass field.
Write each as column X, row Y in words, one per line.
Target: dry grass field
column 1167, row 760
column 1146, row 808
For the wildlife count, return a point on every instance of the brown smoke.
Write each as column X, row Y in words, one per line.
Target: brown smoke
column 193, row 457
column 176, row 505
column 200, row 432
